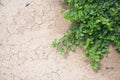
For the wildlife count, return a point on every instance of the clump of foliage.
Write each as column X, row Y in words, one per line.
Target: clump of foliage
column 95, row 25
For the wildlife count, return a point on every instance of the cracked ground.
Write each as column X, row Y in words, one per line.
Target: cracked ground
column 27, row 29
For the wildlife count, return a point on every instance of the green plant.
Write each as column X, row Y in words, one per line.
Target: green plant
column 95, row 25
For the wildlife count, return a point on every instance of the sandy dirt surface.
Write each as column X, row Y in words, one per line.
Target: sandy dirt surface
column 27, row 29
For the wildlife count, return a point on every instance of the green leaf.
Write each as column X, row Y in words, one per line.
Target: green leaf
column 94, row 65
column 62, row 51
column 72, row 48
column 54, row 43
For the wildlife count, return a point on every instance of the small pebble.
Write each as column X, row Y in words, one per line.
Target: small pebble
column 109, row 68
column 27, row 4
